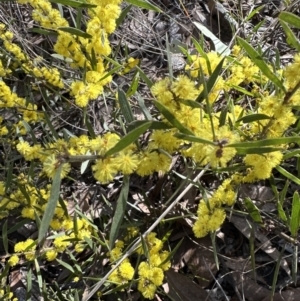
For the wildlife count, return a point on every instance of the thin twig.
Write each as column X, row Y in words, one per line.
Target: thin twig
column 137, row 243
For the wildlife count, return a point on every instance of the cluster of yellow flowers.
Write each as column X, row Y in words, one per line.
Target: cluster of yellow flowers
column 61, row 241
column 6, row 295
column 126, row 161
column 276, row 107
column 71, row 47
column 150, row 272
column 210, row 213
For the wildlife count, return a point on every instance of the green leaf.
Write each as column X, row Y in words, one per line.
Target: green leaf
column 288, row 175
column 266, row 142
column 191, row 103
column 194, row 139
column 261, row 64
column 134, row 85
column 43, row 31
column 125, row 106
column 120, row 211
column 38, row 274
column 253, row 13
column 76, row 32
column 155, row 125
column 144, row 77
column 123, row 15
column 295, row 215
column 143, row 107
column 257, row 150
column 290, row 18
column 291, row 38
column 220, row 47
column 144, row 4
column 51, row 127
column 128, row 139
column 283, row 192
column 211, row 82
column 66, row 265
column 171, row 118
column 200, row 49
column 253, row 210
column 253, row 117
column 281, row 212
column 74, row 3
column 223, row 116
column 240, row 89
column 51, row 205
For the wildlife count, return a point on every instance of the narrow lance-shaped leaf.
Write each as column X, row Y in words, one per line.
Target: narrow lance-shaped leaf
column 295, row 215
column 288, row 175
column 155, row 125
column 211, row 81
column 266, row 142
column 125, row 106
column 51, row 205
column 73, row 3
column 194, row 139
column 290, row 18
column 253, row 117
column 120, row 211
column 76, row 32
column 261, row 64
column 291, row 38
column 281, row 212
column 144, row 4
column 253, row 210
column 256, row 150
column 171, row 118
column 128, row 139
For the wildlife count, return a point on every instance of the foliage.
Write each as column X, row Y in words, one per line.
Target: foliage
column 244, row 142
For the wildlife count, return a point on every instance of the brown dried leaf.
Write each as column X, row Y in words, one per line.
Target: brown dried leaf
column 199, row 258
column 182, row 288
column 249, row 288
column 264, row 243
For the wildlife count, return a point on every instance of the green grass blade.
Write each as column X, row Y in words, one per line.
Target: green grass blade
column 120, row 211
column 129, row 138
column 51, row 205
column 261, row 64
